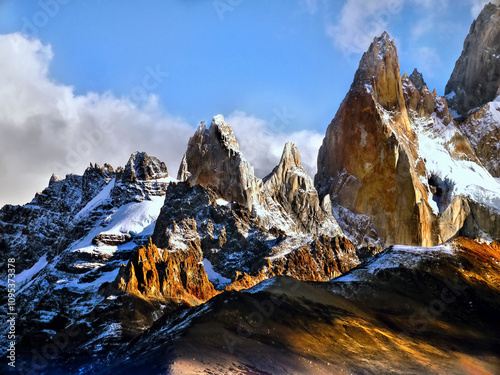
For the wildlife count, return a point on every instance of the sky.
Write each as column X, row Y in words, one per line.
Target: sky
column 95, row 80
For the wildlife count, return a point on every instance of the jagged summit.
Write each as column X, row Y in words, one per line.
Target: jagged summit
column 225, row 133
column 417, row 79
column 213, row 160
column 291, row 155
column 382, row 154
column 474, row 88
column 475, row 80
column 140, row 166
column 290, row 162
column 291, row 187
column 379, row 73
column 286, row 199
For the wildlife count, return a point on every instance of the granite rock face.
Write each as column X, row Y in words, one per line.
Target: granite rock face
column 167, row 275
column 389, row 155
column 367, row 162
column 473, row 88
column 476, row 78
column 213, row 160
column 286, row 199
column 290, row 187
column 140, row 166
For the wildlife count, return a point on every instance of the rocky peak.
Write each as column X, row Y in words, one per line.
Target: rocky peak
column 140, row 166
column 220, row 129
column 369, row 161
column 417, row 79
column 422, row 101
column 54, row 178
column 290, row 160
column 292, row 188
column 96, row 172
column 379, row 164
column 291, row 155
column 475, row 80
column 213, row 160
column 286, row 201
column 379, row 73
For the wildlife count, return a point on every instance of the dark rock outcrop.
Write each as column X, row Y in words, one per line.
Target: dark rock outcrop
column 410, row 311
column 475, row 80
column 140, row 166
column 417, row 79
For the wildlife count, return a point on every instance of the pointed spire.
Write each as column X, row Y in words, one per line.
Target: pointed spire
column 418, row 80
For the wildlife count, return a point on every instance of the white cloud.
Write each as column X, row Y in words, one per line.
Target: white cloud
column 46, row 128
column 360, row 21
column 262, row 144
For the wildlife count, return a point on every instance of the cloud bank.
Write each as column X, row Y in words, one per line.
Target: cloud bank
column 46, row 128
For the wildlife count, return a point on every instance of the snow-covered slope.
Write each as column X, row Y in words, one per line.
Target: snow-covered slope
column 463, row 177
column 89, row 225
column 482, row 129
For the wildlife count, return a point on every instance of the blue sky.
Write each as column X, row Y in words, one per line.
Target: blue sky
column 278, row 67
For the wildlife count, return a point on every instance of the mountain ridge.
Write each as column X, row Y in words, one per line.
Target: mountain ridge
column 387, row 261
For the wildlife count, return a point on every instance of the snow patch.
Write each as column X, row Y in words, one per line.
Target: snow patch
column 222, row 202
column 466, row 177
column 167, row 180
column 96, row 201
column 27, row 275
column 134, row 218
column 214, row 277
column 94, row 285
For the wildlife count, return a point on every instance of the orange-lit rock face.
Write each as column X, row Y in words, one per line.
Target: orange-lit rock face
column 367, row 158
column 320, row 260
column 369, row 161
column 167, row 275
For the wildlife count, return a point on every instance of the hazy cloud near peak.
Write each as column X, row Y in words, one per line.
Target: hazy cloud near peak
column 360, row 21
column 46, row 128
column 262, row 142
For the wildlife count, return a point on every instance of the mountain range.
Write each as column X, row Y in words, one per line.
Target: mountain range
column 387, row 261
